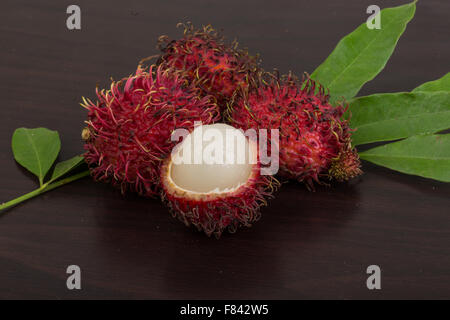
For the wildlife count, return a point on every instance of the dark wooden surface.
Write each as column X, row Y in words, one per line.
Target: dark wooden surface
column 307, row 245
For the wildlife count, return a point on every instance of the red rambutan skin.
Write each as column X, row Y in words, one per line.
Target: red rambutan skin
column 314, row 136
column 129, row 126
column 215, row 213
column 202, row 57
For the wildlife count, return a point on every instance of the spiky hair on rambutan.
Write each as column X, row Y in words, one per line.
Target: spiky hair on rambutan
column 315, row 137
column 129, row 126
column 203, row 57
column 215, row 198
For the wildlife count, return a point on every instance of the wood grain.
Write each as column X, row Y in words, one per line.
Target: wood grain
column 307, row 245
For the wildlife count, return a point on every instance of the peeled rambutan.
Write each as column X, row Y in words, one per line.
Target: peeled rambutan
column 213, row 194
column 129, row 126
column 203, row 58
column 314, row 136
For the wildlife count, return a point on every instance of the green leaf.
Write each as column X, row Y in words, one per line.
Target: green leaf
column 425, row 156
column 362, row 54
column 66, row 166
column 442, row 84
column 36, row 149
column 390, row 116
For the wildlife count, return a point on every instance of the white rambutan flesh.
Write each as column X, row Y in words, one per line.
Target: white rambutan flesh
column 212, row 159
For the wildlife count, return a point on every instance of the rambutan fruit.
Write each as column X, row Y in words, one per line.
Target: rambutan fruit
column 314, row 136
column 212, row 180
column 203, row 58
column 129, row 126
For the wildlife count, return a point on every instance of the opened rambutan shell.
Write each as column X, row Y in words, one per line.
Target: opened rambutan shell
column 315, row 138
column 203, row 58
column 214, row 211
column 129, row 127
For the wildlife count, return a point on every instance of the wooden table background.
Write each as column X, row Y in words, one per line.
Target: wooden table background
column 307, row 245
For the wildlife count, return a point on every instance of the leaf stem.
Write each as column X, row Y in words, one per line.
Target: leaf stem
column 44, row 188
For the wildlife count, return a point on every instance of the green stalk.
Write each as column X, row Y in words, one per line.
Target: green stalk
column 44, row 188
